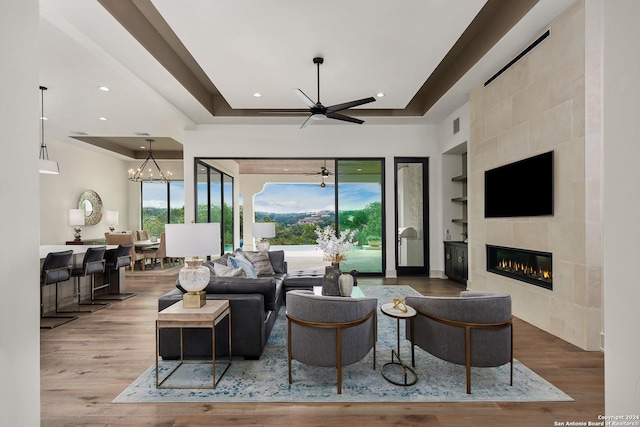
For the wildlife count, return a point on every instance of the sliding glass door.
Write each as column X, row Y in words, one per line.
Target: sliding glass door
column 359, row 205
column 214, row 201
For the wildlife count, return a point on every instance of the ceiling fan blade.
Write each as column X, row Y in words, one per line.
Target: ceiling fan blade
column 284, row 112
column 344, row 118
column 305, row 98
column 348, row 105
column 306, row 122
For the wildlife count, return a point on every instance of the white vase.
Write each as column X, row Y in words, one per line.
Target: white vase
column 345, row 283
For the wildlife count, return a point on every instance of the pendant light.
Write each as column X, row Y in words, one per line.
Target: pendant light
column 45, row 165
column 151, row 175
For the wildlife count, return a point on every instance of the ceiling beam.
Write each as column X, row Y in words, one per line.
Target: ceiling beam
column 147, row 25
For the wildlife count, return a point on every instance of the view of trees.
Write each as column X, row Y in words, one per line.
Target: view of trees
column 289, row 231
column 154, row 219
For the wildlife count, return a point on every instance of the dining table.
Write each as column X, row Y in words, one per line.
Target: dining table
column 147, row 244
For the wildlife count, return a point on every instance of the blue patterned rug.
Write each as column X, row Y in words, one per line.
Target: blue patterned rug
column 266, row 380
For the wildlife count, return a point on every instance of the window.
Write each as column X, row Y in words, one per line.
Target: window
column 162, row 203
column 214, row 200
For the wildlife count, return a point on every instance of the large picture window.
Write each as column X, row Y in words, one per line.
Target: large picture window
column 162, row 203
column 214, row 201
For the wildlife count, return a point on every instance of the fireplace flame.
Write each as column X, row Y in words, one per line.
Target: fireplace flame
column 520, row 268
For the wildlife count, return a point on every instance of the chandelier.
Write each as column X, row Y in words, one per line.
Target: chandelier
column 142, row 174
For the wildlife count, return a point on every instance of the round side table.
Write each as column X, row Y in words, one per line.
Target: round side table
column 410, row 376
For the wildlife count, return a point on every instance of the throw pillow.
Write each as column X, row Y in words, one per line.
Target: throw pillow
column 227, row 271
column 238, row 262
column 222, row 260
column 210, row 265
column 277, row 261
column 261, row 262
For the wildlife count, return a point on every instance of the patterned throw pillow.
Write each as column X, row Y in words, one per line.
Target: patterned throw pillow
column 238, row 262
column 261, row 262
column 227, row 271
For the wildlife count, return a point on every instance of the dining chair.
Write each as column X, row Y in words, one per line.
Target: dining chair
column 159, row 253
column 126, row 238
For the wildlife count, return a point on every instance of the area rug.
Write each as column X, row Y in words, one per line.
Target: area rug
column 266, row 380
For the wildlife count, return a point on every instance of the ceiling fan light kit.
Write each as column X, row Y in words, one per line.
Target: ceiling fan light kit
column 317, row 111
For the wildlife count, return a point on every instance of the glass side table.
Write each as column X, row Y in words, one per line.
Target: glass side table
column 409, row 376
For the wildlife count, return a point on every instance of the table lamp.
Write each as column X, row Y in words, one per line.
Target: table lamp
column 112, row 220
column 189, row 241
column 261, row 230
column 76, row 218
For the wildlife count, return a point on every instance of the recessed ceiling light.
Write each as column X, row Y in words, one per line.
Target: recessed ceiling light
column 257, row 95
column 143, row 147
column 43, row 118
column 104, row 88
column 380, row 94
column 102, row 118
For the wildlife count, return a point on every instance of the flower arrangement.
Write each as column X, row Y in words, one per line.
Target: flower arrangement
column 335, row 247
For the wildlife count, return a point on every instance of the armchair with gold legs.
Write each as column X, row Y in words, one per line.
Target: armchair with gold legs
column 473, row 330
column 330, row 331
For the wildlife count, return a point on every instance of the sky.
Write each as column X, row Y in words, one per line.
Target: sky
column 288, row 198
column 279, row 198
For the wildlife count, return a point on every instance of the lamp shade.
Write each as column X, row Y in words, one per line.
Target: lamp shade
column 112, row 217
column 192, row 240
column 76, row 217
column 264, row 229
column 49, row 167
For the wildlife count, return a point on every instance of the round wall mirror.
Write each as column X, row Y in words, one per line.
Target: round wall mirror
column 91, row 204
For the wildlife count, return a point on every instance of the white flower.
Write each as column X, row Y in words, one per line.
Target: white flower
column 335, row 247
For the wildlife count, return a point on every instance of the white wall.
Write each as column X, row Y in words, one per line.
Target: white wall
column 19, row 278
column 264, row 141
column 82, row 167
column 621, row 206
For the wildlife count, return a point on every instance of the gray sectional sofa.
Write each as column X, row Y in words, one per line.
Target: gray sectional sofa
column 255, row 303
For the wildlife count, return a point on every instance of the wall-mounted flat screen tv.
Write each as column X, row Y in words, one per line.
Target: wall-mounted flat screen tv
column 522, row 188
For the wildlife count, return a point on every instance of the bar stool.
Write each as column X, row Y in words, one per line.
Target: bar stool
column 115, row 259
column 92, row 264
column 56, row 268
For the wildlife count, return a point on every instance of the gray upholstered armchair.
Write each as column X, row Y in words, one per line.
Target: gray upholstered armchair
column 330, row 331
column 473, row 330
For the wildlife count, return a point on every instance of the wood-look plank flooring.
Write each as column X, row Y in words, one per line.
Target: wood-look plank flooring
column 85, row 364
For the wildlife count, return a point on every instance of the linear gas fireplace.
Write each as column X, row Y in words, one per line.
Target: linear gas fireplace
column 521, row 264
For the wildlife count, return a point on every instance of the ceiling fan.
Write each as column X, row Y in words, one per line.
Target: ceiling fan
column 324, row 172
column 320, row 112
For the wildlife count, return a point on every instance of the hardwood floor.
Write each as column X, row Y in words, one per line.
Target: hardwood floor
column 85, row 364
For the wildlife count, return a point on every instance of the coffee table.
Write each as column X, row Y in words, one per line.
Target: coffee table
column 355, row 293
column 410, row 376
column 207, row 316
